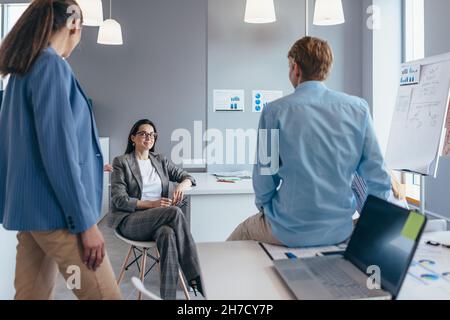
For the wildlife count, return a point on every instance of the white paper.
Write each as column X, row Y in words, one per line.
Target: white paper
column 410, row 75
column 261, row 98
column 403, row 104
column 429, row 274
column 229, row 100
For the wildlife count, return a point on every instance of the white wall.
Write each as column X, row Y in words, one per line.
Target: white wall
column 386, row 61
column 8, row 244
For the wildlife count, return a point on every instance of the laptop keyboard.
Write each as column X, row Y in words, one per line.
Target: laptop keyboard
column 337, row 282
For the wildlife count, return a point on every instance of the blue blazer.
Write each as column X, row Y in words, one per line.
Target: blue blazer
column 51, row 166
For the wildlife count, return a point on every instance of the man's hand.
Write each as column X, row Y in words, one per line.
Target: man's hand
column 93, row 247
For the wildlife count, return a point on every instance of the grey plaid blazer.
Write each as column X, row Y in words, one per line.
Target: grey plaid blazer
column 126, row 183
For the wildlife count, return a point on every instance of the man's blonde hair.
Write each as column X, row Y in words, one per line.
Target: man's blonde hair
column 314, row 57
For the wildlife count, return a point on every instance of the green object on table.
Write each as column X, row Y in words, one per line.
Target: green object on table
column 413, row 225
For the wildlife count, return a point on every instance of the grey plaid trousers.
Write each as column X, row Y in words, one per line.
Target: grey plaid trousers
column 169, row 228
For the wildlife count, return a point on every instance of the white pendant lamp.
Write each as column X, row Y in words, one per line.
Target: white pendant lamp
column 110, row 32
column 260, row 11
column 92, row 12
column 328, row 12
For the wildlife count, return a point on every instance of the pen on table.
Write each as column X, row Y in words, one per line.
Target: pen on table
column 437, row 244
column 226, row 181
column 290, row 255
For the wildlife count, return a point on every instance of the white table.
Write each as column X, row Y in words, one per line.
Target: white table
column 239, row 270
column 413, row 288
column 243, row 271
column 217, row 208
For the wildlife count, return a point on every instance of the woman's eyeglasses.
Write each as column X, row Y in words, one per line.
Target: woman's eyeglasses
column 146, row 135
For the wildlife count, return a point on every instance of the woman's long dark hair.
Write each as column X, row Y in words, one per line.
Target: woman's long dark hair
column 31, row 34
column 134, row 130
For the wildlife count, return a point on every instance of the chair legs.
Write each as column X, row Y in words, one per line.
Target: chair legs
column 183, row 285
column 122, row 270
column 144, row 261
column 143, row 267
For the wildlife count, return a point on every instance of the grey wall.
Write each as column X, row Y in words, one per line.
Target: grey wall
column 387, row 57
column 347, row 43
column 437, row 25
column 177, row 52
column 367, row 57
column 159, row 73
column 246, row 56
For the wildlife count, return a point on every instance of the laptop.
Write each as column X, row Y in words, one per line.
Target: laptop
column 374, row 264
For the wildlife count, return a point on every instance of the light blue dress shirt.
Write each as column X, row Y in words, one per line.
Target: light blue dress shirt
column 325, row 137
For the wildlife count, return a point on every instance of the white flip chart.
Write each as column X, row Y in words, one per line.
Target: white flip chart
column 417, row 137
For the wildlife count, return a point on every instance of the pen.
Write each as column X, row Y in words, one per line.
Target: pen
column 290, row 255
column 226, row 181
column 437, row 244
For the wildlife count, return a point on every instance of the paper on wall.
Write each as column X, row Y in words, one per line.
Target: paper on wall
column 261, row 98
column 229, row 100
column 410, row 75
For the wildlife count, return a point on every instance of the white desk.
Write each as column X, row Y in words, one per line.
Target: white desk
column 243, row 271
column 413, row 287
column 217, row 208
column 239, row 270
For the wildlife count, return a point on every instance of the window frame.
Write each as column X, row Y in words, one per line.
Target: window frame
column 413, row 49
column 4, row 23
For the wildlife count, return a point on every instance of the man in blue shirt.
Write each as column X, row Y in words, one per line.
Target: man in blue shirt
column 322, row 139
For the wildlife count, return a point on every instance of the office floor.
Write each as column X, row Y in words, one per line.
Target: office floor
column 117, row 250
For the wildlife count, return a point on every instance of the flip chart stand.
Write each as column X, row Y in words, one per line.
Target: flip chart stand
column 422, row 194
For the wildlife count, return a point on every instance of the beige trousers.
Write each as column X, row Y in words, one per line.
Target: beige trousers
column 255, row 228
column 41, row 254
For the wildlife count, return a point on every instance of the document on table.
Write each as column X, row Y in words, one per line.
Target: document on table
column 280, row 252
column 429, row 274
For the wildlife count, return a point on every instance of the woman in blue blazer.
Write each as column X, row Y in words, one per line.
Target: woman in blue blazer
column 50, row 159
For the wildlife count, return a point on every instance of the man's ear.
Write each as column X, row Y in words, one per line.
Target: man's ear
column 72, row 31
column 298, row 70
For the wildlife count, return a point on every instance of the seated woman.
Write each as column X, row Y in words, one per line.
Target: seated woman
column 143, row 211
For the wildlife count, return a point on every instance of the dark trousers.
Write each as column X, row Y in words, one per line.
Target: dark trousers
column 169, row 228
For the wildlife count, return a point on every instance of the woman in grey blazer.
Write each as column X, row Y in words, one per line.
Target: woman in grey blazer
column 143, row 210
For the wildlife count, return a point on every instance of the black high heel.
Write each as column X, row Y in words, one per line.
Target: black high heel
column 196, row 285
column 195, row 290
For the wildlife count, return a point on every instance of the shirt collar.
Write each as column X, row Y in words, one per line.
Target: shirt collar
column 310, row 84
column 51, row 50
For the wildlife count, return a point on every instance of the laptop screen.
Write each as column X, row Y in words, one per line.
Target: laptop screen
column 386, row 237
